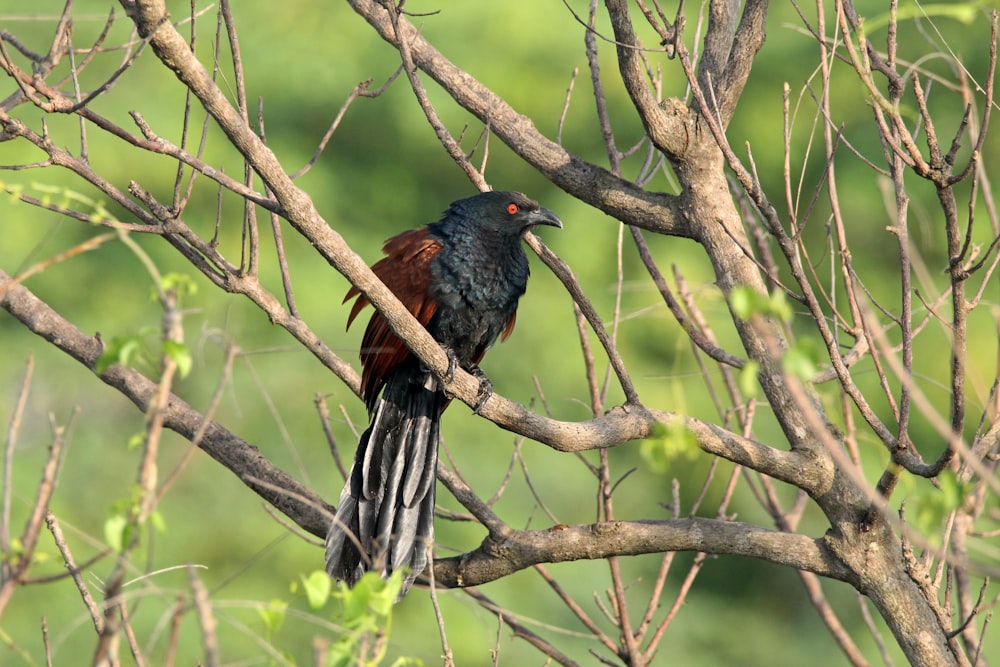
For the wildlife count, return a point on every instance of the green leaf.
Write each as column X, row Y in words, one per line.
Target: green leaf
column 745, row 302
column 158, row 522
column 384, row 597
column 747, row 379
column 668, row 443
column 273, row 614
column 368, row 605
column 342, row 653
column 16, row 549
column 116, row 532
column 741, row 301
column 122, row 350
column 355, row 612
column 317, row 588
column 181, row 355
column 779, row 307
column 354, row 601
column 799, row 361
column 407, row 662
column 136, row 441
column 181, row 283
column 929, row 507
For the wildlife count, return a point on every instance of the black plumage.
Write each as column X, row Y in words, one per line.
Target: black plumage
column 461, row 277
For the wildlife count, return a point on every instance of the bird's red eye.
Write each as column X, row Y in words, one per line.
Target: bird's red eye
column 512, row 208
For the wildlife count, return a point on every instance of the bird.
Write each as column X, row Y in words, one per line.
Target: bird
column 461, row 277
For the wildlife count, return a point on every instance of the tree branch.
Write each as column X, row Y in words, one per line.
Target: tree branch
column 667, row 127
column 498, row 556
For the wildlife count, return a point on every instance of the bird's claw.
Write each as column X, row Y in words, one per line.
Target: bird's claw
column 449, row 374
column 485, row 388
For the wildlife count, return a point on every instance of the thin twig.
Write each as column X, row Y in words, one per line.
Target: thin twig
column 10, row 442
column 206, row 619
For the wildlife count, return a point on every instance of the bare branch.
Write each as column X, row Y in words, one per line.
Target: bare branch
column 498, row 558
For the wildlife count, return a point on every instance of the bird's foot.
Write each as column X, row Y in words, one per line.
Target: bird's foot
column 453, row 363
column 485, row 388
column 449, row 374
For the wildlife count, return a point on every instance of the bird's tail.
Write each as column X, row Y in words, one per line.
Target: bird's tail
column 385, row 517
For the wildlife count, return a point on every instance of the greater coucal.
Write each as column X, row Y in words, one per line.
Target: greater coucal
column 461, row 277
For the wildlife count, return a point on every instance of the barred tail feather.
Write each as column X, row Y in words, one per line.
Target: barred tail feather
column 385, row 517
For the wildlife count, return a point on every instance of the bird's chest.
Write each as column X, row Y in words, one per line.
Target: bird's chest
column 476, row 292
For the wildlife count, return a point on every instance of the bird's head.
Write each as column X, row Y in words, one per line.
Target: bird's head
column 510, row 213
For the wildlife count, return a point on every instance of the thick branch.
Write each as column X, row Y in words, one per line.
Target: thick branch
column 718, row 42
column 748, row 40
column 498, row 557
column 668, row 131
column 802, row 468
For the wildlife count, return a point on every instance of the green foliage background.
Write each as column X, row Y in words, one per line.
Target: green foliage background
column 383, row 172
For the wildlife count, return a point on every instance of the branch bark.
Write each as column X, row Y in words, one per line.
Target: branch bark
column 499, row 556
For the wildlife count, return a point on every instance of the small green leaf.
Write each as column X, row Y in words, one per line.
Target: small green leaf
column 355, row 613
column 122, row 350
column 342, row 653
column 181, row 283
column 963, row 12
column 929, row 507
column 158, row 522
column 369, row 603
column 385, row 596
column 747, row 379
column 181, row 355
column 273, row 614
column 745, row 302
column 668, row 443
column 407, row 662
column 115, row 532
column 317, row 588
column 778, row 306
column 798, row 362
column 109, row 356
column 129, row 351
column 16, row 549
column 741, row 301
column 136, row 441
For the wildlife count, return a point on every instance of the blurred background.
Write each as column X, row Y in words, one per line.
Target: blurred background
column 382, row 172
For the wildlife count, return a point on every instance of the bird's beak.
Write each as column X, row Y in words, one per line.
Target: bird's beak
column 543, row 216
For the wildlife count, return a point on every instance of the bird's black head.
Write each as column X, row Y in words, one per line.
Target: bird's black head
column 510, row 213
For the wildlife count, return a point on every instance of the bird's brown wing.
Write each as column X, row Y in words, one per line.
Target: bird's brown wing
column 509, row 329
column 406, row 271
